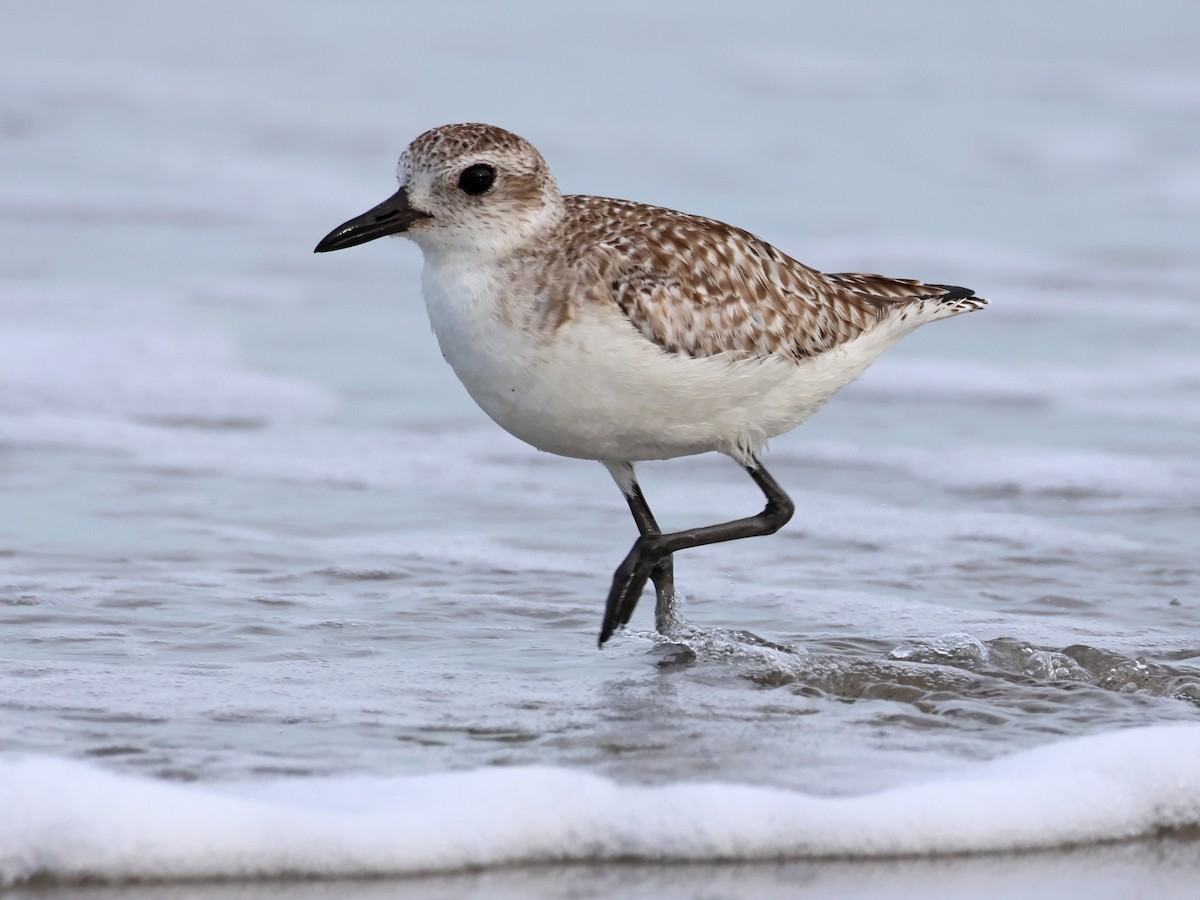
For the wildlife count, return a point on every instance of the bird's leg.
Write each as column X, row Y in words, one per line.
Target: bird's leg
column 653, row 546
column 663, row 572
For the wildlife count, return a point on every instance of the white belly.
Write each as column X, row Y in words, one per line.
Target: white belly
column 596, row 388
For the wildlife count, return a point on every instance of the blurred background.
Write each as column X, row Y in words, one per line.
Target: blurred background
column 252, row 523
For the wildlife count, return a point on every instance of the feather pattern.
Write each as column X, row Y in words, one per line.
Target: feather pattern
column 698, row 287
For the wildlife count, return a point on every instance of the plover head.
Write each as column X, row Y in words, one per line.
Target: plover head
column 472, row 189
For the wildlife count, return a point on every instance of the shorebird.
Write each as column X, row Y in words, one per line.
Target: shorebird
column 616, row 331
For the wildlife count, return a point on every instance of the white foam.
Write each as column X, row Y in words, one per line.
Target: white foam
column 1026, row 469
column 74, row 352
column 68, row 820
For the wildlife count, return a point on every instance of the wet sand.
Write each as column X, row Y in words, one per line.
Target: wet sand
column 1162, row 869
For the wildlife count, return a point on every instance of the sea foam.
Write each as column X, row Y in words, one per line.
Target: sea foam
column 66, row 820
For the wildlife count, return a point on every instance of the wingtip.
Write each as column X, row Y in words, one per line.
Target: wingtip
column 960, row 298
column 953, row 292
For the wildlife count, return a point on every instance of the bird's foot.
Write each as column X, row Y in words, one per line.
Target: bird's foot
column 628, row 583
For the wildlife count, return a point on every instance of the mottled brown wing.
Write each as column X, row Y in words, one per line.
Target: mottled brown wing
column 700, row 287
column 897, row 289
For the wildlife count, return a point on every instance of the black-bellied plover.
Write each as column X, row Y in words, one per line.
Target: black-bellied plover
column 616, row 331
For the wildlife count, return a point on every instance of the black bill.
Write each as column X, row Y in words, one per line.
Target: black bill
column 392, row 216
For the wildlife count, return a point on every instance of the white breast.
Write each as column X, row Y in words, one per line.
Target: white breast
column 595, row 388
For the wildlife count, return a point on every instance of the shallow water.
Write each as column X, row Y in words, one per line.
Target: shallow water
column 254, row 527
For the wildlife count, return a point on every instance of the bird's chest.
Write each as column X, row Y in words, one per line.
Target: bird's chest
column 486, row 331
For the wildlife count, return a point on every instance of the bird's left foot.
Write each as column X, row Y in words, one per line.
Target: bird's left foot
column 629, row 581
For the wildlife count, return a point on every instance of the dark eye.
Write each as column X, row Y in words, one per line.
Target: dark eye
column 477, row 179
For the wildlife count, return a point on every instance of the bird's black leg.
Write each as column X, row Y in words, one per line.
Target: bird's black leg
column 653, row 547
column 663, row 573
